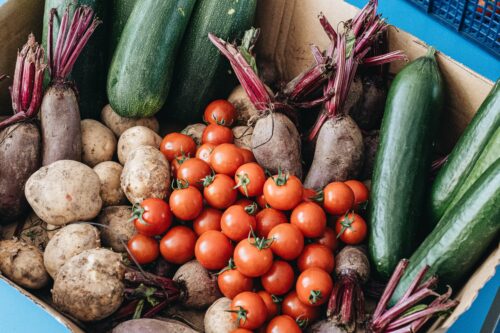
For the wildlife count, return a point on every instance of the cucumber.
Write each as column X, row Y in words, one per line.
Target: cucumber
column 462, row 235
column 201, row 73
column 142, row 66
column 119, row 14
column 90, row 70
column 412, row 110
column 465, row 154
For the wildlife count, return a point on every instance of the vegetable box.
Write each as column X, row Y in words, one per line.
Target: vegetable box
column 289, row 26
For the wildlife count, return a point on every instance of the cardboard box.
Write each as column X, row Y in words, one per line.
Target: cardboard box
column 288, row 27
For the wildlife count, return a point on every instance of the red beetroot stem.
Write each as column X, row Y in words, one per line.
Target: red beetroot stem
column 385, row 58
column 391, row 286
column 414, row 284
column 150, row 279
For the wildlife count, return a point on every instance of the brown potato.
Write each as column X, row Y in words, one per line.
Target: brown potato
column 119, row 227
column 135, row 137
column 217, row 319
column 98, row 142
column 195, row 131
column 119, row 124
column 109, row 173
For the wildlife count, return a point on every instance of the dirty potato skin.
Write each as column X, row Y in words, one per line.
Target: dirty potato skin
column 68, row 242
column 109, row 173
column 195, row 131
column 119, row 124
column 90, row 285
column 98, row 142
column 244, row 107
column 338, row 155
column 276, row 144
column 217, row 319
column 119, row 227
column 146, row 174
column 23, row 264
column 147, row 325
column 60, row 124
column 243, row 136
column 199, row 286
column 20, row 157
column 64, row 192
column 135, row 137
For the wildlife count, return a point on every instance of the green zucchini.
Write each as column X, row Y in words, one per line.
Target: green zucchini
column 201, row 73
column 141, row 70
column 119, row 14
column 462, row 235
column 412, row 110
column 90, row 70
column 465, row 154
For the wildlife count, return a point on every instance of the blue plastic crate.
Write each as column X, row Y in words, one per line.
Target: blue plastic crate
column 478, row 20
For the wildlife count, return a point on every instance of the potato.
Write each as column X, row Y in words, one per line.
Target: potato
column 199, row 285
column 90, row 285
column 145, row 175
column 23, row 264
column 52, row 230
column 195, row 131
column 135, row 137
column 20, row 156
column 243, row 136
column 217, row 319
column 98, row 142
column 64, row 192
column 119, row 227
column 146, row 325
column 119, row 124
column 109, row 173
column 244, row 108
column 68, row 242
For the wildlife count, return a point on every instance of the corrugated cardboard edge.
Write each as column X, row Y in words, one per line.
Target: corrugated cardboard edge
column 57, row 315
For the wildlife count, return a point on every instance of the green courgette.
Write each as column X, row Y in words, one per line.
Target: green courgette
column 90, row 70
column 119, row 12
column 462, row 235
column 402, row 163
column 465, row 154
column 201, row 73
column 141, row 70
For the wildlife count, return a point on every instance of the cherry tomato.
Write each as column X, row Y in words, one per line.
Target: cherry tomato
column 261, row 201
column 271, row 305
column 217, row 134
column 193, row 171
column 204, row 152
column 314, row 286
column 279, row 279
column 177, row 246
column 186, row 203
column 309, row 194
column 283, row 324
column 252, row 257
column 338, row 198
column 226, row 159
column 219, row 191
column 231, row 283
column 316, row 255
column 209, row 219
column 360, row 191
column 249, row 310
column 237, row 222
column 143, row 248
column 220, row 112
column 244, row 202
column 176, row 163
column 288, row 241
column 294, row 308
column 351, row 228
column 310, row 218
column 283, row 192
column 329, row 239
column 267, row 219
column 152, row 217
column 250, row 179
column 241, row 330
column 247, row 155
column 176, row 144
column 213, row 250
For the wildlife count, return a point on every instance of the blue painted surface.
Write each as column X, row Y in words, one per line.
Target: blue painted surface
column 408, row 17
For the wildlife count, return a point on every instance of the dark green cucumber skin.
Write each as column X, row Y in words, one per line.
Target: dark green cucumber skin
column 90, row 70
column 465, row 154
column 461, row 237
column 402, row 163
column 141, row 70
column 201, row 73
column 119, row 13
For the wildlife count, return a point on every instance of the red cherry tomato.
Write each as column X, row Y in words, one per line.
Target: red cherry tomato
column 288, row 241
column 279, row 279
column 361, row 193
column 143, row 248
column 226, row 158
column 252, row 259
column 351, row 229
column 186, row 203
column 294, row 308
column 177, row 246
column 220, row 112
column 231, row 283
column 329, row 239
column 217, row 134
column 283, row 324
column 283, row 192
column 310, row 218
column 271, row 305
column 314, row 286
column 247, row 155
column 338, row 198
column 204, row 152
column 219, row 191
column 267, row 219
column 250, row 179
column 261, row 201
column 213, row 250
column 193, row 171
column 152, row 217
column 177, row 144
column 237, row 222
column 249, row 310
column 209, row 219
column 316, row 255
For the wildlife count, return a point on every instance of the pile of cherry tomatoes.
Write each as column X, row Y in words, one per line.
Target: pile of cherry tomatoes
column 271, row 241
